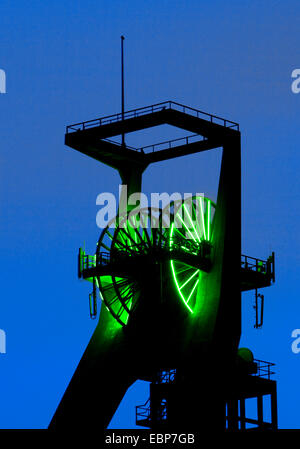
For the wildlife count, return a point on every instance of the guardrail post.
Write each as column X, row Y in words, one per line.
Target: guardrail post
column 273, row 266
column 260, row 411
column 274, row 409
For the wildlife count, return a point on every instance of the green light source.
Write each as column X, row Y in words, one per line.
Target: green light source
column 144, row 233
column 136, row 234
column 185, row 276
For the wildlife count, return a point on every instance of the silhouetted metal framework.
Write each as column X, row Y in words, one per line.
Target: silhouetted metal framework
column 188, row 348
column 161, row 410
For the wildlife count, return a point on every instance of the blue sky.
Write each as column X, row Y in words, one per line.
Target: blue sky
column 62, row 62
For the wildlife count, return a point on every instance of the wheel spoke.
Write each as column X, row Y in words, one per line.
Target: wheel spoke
column 192, row 291
column 198, row 225
column 145, row 233
column 105, row 246
column 127, row 233
column 202, row 216
column 196, row 220
column 137, row 234
column 208, row 206
column 189, row 279
column 182, row 221
column 191, row 221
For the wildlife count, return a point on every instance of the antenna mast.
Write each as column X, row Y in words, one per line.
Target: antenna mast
column 122, row 84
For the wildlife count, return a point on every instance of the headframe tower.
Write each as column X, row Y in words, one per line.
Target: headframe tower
column 170, row 288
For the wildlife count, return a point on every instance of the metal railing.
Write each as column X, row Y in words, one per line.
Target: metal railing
column 165, row 145
column 264, row 369
column 168, row 144
column 150, row 110
column 121, row 145
column 202, row 249
column 142, row 412
column 91, row 261
column 251, row 263
column 166, row 376
column 258, row 265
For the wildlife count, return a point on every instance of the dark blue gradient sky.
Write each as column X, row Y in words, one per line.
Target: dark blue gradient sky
column 62, row 61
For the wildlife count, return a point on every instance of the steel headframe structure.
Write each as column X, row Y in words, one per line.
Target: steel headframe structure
column 200, row 379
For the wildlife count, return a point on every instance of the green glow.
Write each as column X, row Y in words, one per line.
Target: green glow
column 189, row 279
column 197, row 222
column 208, row 219
column 171, row 234
column 182, row 273
column 179, row 288
column 186, row 228
column 202, row 216
column 120, row 294
column 175, row 280
column 187, row 249
column 108, row 294
column 180, row 233
column 191, row 221
column 109, row 235
column 196, row 283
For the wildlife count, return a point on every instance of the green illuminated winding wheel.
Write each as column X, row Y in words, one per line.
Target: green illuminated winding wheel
column 184, row 229
column 136, row 234
column 191, row 231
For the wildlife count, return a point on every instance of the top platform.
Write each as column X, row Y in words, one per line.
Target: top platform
column 149, row 110
column 93, row 137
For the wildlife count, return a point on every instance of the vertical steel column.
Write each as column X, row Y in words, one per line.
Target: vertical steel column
column 274, row 409
column 233, row 414
column 242, row 413
column 260, row 413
